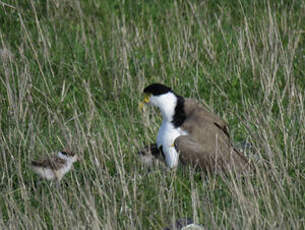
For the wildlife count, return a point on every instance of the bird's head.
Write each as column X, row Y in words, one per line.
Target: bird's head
column 68, row 155
column 162, row 97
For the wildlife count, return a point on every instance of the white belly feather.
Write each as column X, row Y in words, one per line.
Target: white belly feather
column 166, row 138
column 51, row 174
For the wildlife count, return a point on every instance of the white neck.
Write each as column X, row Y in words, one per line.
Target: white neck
column 167, row 104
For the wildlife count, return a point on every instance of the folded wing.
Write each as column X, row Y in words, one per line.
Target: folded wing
column 208, row 144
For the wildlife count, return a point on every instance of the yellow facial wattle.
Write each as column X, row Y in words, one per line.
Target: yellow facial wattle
column 146, row 98
column 145, row 101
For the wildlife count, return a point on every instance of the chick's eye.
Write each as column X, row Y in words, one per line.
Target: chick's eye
column 64, row 153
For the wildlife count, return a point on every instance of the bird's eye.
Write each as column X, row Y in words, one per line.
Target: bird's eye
column 64, row 153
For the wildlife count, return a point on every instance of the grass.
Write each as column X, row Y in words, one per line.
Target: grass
column 72, row 73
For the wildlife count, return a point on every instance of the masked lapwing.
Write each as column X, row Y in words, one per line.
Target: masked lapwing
column 191, row 134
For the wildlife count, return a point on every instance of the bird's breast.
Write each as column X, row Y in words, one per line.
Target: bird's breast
column 166, row 137
column 66, row 168
column 167, row 134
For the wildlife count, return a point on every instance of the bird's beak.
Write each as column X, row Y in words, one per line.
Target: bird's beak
column 141, row 105
column 145, row 101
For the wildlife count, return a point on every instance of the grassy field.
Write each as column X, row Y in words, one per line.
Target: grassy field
column 72, row 73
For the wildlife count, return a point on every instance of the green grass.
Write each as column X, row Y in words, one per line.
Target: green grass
column 72, row 73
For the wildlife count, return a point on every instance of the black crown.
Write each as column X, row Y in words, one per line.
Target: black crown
column 157, row 89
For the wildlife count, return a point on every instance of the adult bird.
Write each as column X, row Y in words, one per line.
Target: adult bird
column 192, row 134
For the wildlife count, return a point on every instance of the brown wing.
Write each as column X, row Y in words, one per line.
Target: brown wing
column 199, row 118
column 54, row 163
column 200, row 155
column 208, row 143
